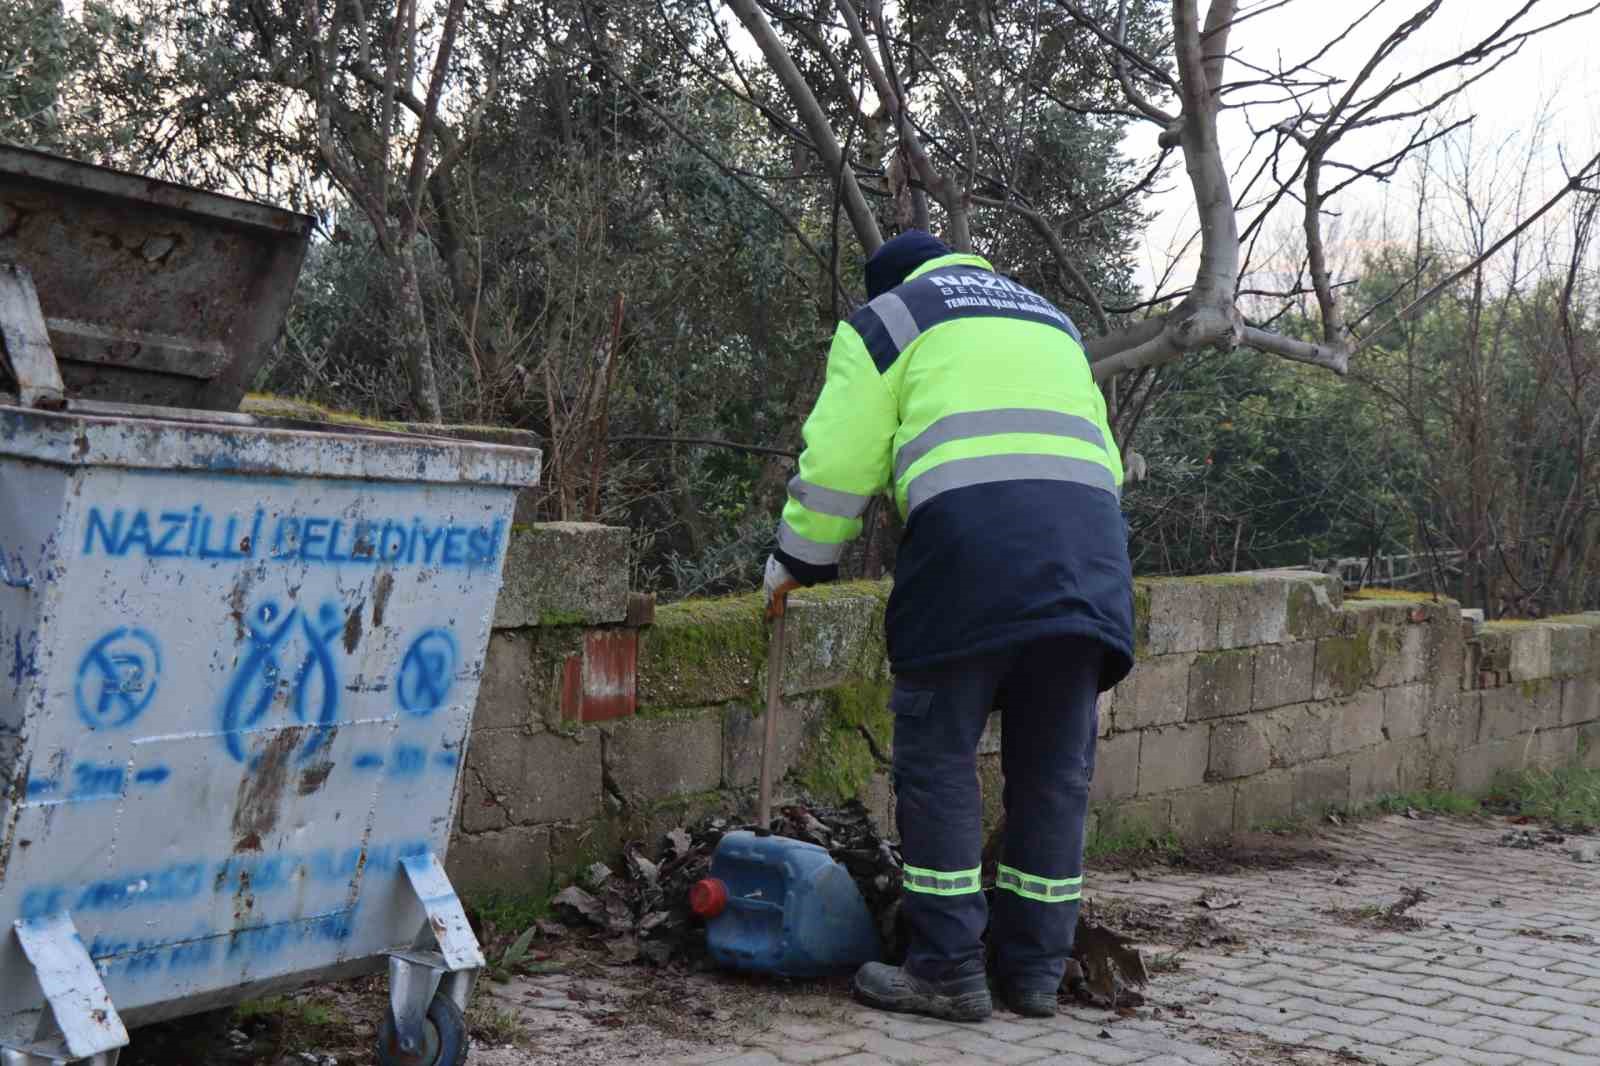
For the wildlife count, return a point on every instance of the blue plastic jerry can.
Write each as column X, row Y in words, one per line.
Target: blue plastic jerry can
column 782, row 906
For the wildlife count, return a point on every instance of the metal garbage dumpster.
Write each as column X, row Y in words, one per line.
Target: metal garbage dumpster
column 237, row 661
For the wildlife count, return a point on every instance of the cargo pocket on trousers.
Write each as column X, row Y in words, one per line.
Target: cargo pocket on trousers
column 910, row 703
column 910, row 709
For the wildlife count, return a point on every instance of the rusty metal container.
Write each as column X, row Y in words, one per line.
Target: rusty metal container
column 237, row 661
column 153, row 293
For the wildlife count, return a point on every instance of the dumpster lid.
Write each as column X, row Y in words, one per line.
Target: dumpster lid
column 236, row 444
column 152, row 292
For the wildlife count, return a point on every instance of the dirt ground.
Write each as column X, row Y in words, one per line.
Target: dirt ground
column 1378, row 942
column 581, row 1009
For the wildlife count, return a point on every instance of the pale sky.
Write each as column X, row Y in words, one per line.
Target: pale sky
column 1558, row 72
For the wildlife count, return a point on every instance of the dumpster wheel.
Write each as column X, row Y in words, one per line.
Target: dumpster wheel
column 444, row 1038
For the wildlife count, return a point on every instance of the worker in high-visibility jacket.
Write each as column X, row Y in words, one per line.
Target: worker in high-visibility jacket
column 970, row 398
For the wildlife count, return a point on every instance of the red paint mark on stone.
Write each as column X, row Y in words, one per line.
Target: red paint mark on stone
column 601, row 684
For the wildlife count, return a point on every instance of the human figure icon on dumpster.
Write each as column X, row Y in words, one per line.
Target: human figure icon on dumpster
column 255, row 682
column 971, row 399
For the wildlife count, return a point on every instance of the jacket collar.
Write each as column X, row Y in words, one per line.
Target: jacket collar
column 952, row 260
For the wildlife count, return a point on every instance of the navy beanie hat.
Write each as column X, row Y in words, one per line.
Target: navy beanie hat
column 895, row 259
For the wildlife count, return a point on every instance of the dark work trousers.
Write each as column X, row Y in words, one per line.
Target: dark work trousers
column 1047, row 693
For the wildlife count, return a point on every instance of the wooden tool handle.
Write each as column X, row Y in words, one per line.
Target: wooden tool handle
column 774, row 703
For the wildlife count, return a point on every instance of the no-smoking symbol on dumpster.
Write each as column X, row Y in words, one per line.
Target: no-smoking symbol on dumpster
column 117, row 678
column 427, row 672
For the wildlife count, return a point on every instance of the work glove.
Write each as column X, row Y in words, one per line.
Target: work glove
column 778, row 583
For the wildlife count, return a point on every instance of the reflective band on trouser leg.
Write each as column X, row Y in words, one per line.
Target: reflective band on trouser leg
column 943, row 882
column 1042, row 889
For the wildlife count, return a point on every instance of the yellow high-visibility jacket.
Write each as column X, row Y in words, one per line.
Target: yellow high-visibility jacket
column 969, row 397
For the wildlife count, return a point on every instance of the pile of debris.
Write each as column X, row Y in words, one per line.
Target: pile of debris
column 641, row 912
column 643, row 909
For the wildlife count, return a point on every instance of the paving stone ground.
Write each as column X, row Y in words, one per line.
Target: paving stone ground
column 1503, row 969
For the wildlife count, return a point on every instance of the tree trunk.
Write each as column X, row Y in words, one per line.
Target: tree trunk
column 414, row 345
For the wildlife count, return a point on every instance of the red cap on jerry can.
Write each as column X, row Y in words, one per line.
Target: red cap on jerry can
column 708, row 897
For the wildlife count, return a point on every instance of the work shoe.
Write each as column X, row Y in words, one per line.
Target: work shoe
column 1029, row 1002
column 962, row 997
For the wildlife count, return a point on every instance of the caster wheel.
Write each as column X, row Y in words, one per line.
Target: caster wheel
column 444, row 1038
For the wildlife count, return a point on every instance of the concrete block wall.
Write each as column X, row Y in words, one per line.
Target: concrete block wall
column 1256, row 698
column 592, row 729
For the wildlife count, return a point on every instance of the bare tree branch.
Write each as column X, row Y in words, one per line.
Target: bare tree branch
column 1064, row 261
column 814, row 119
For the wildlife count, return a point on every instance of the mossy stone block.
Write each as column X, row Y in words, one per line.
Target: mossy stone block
column 1155, row 693
column 1405, row 711
column 1589, row 745
column 1255, row 610
column 1454, row 723
column 1522, row 649
column 1172, row 757
column 1477, row 766
column 834, row 634
column 1313, row 606
column 1356, row 722
column 1298, row 734
column 1116, row 767
column 702, row 652
column 1354, row 660
column 880, row 803
column 841, row 755
column 744, row 736
column 563, row 573
column 1491, row 648
column 1580, row 700
column 1283, row 674
column 1239, row 748
column 540, row 778
column 649, row 760
column 1569, row 649
column 1203, row 813
column 1589, row 622
column 1105, row 714
column 1405, row 655
column 1375, row 772
column 1361, row 616
column 548, row 651
column 1183, row 614
column 1322, row 786
column 575, row 846
column 1219, row 684
column 1146, row 814
column 1262, row 799
column 506, row 687
column 1520, row 708
column 1141, row 618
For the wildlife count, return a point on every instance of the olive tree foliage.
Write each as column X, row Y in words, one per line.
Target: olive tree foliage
column 48, row 59
column 36, row 56
column 923, row 126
